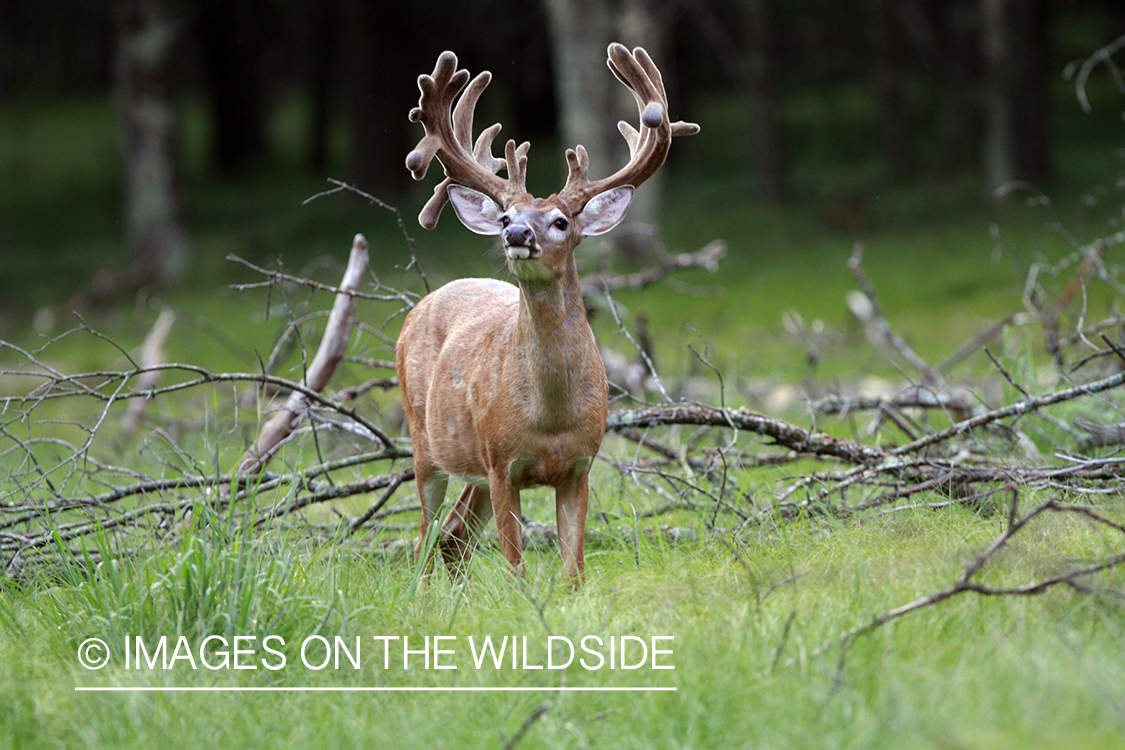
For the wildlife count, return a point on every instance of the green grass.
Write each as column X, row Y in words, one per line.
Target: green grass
column 1033, row 672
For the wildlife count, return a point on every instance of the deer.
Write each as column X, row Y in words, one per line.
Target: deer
column 503, row 385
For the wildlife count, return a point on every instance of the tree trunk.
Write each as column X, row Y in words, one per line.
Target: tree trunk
column 641, row 23
column 154, row 231
column 770, row 135
column 1031, row 109
column 580, row 34
column 890, row 54
column 999, row 149
column 960, row 125
column 754, row 74
column 581, row 30
column 232, row 36
column 322, row 29
column 382, row 93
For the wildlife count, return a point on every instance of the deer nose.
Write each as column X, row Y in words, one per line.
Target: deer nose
column 518, row 234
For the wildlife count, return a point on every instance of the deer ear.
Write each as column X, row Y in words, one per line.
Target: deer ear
column 605, row 210
column 476, row 210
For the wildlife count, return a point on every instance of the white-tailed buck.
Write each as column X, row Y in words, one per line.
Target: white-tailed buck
column 503, row 386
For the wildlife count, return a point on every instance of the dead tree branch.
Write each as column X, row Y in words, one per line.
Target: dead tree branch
column 333, row 344
column 782, row 433
column 706, row 258
column 1018, row 409
column 150, row 354
column 967, row 583
column 876, row 318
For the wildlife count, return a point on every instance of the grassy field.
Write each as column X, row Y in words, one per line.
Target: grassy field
column 748, row 625
column 754, row 613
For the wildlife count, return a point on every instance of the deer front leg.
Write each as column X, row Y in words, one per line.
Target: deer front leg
column 509, row 521
column 570, row 514
column 461, row 527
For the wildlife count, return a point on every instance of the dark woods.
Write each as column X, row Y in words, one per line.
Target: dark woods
column 968, row 80
column 942, row 88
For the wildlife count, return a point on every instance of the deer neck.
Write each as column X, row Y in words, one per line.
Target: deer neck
column 554, row 346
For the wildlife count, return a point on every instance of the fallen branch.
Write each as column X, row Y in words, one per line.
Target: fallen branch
column 966, row 582
column 914, row 398
column 533, row 717
column 706, row 258
column 874, row 316
column 1101, row 434
column 389, row 482
column 343, row 186
column 395, row 482
column 782, row 433
column 149, row 355
column 332, row 347
column 1012, row 410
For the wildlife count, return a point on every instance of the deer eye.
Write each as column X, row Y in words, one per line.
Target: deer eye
column 505, row 221
column 561, row 224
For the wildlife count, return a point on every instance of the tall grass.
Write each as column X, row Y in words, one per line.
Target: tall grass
column 214, row 577
column 748, row 621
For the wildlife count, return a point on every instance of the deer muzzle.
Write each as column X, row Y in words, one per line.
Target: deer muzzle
column 519, row 242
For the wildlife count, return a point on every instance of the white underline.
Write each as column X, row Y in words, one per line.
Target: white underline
column 365, row 689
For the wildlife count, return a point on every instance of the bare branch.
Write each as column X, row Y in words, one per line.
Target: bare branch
column 855, row 263
column 150, row 354
column 1012, row 410
column 784, row 434
column 343, row 186
column 707, row 258
column 332, row 347
column 966, row 582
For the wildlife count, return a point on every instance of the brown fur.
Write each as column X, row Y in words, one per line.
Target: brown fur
column 505, row 386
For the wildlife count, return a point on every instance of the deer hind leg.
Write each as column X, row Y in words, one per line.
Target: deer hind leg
column 431, row 489
column 461, row 527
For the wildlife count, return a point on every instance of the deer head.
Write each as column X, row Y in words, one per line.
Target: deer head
column 538, row 233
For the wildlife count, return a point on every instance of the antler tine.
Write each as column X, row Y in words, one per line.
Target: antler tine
column 648, row 147
column 515, row 158
column 482, row 151
column 466, row 106
column 449, row 138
